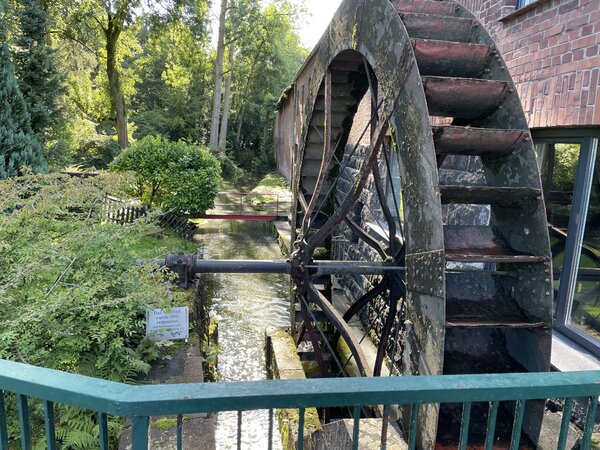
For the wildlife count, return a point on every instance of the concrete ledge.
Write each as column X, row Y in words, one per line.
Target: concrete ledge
column 283, row 363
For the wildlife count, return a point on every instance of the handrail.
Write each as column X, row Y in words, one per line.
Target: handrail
column 120, row 399
column 123, row 399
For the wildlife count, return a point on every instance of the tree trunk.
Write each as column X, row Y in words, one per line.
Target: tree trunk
column 216, row 111
column 238, row 135
column 225, row 118
column 117, row 101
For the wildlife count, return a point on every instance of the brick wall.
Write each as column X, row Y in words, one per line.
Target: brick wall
column 552, row 50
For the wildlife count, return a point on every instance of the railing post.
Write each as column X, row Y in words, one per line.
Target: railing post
column 103, row 430
column 24, row 421
column 139, row 433
column 50, row 426
column 3, row 427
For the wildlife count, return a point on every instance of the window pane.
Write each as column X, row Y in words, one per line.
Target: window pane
column 558, row 166
column 585, row 313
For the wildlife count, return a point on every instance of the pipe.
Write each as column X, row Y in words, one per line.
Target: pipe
column 267, row 266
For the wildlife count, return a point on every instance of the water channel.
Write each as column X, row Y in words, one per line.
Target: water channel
column 245, row 304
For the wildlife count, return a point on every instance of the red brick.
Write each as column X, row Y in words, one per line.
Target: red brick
column 578, row 22
column 589, row 63
column 584, row 99
column 555, row 30
column 586, row 78
column 583, row 42
column 571, row 81
column 560, row 49
column 577, row 54
column 591, row 51
column 587, row 30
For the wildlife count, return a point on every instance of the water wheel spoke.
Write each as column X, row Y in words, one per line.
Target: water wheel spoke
column 361, row 234
column 387, row 328
column 394, row 242
column 344, row 329
column 350, row 200
column 368, row 297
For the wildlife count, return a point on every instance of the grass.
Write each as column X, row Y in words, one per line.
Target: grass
column 157, row 247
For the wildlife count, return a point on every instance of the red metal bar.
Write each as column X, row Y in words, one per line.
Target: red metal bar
column 237, row 217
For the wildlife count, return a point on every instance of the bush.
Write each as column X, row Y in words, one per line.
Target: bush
column 72, row 293
column 176, row 176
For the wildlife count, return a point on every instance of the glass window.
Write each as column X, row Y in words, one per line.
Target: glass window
column 585, row 310
column 570, row 171
column 558, row 167
column 522, row 3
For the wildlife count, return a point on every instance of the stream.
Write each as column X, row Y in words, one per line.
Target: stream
column 245, row 304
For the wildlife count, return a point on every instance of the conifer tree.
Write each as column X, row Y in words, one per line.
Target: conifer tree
column 20, row 151
column 36, row 68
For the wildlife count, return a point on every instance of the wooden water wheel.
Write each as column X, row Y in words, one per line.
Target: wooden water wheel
column 416, row 153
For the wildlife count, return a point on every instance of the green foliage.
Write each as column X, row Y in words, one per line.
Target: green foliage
column 565, row 166
column 173, row 92
column 36, row 68
column 20, row 151
column 176, row 176
column 72, row 293
column 269, row 54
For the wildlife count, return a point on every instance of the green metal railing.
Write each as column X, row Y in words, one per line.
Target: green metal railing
column 141, row 402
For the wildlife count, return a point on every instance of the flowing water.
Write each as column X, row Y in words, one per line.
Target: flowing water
column 246, row 304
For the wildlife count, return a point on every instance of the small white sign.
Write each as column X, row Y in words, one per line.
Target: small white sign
column 168, row 326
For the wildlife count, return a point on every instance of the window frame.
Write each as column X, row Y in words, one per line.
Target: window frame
column 588, row 139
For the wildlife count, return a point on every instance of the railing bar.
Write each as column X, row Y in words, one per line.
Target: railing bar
column 384, row 426
column 589, row 423
column 517, row 425
column 270, row 444
column 464, row 426
column 49, row 425
column 356, row 430
column 3, row 426
column 414, row 419
column 564, row 426
column 179, row 432
column 301, row 413
column 103, row 426
column 139, row 432
column 23, row 407
column 239, row 430
column 491, row 425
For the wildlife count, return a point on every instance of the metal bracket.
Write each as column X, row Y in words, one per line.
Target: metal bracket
column 425, row 272
column 184, row 265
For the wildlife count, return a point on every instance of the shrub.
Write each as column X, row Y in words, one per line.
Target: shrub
column 72, row 293
column 176, row 176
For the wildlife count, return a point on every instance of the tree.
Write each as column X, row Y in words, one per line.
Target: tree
column 173, row 94
column 98, row 26
column 19, row 149
column 36, row 68
column 175, row 176
column 269, row 54
column 216, row 111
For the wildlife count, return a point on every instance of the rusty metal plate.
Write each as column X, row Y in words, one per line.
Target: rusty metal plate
column 467, row 98
column 429, row 26
column 426, row 7
column 450, row 59
column 477, row 141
